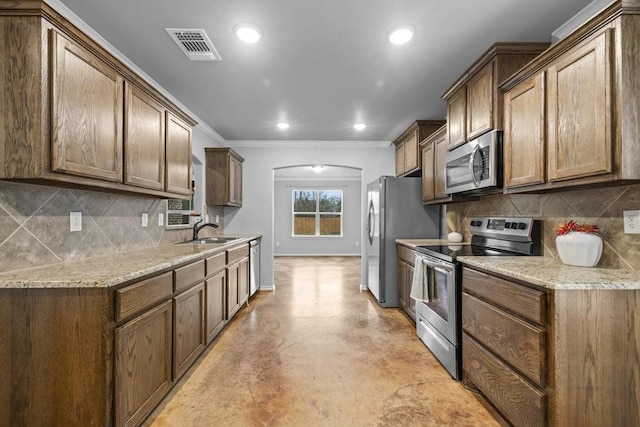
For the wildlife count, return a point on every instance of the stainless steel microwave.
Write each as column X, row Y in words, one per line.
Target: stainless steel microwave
column 475, row 165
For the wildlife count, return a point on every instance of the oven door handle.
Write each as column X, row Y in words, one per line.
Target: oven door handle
column 442, row 267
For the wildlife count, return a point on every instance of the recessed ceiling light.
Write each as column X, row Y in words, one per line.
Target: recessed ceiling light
column 359, row 126
column 317, row 168
column 401, row 34
column 248, row 33
column 283, row 125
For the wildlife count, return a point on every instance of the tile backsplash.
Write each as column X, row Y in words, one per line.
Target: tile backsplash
column 601, row 206
column 34, row 224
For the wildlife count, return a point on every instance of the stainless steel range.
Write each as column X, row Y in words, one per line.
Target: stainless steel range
column 438, row 281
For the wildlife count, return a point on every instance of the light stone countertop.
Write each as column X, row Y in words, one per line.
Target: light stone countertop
column 547, row 272
column 113, row 269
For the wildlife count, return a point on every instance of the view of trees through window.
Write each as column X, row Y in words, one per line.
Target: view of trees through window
column 317, row 212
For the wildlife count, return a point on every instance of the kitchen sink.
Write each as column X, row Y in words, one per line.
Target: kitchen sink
column 210, row 240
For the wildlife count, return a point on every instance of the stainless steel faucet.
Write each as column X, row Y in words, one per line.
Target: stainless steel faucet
column 197, row 228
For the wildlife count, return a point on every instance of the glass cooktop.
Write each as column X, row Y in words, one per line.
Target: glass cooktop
column 450, row 252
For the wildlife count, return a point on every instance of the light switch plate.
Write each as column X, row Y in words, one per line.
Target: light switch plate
column 75, row 221
column 160, row 220
column 631, row 222
column 145, row 219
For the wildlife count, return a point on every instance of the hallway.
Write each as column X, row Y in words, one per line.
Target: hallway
column 318, row 352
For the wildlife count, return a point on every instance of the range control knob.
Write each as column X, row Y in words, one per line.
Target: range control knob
column 521, row 225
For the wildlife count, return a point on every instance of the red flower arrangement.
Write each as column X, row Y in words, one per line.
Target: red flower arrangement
column 574, row 226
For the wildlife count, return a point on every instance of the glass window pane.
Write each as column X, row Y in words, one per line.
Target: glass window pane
column 304, row 225
column 330, row 201
column 330, row 225
column 304, row 201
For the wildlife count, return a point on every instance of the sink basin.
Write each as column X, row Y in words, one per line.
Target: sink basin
column 211, row 240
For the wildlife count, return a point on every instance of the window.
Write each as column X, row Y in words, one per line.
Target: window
column 317, row 212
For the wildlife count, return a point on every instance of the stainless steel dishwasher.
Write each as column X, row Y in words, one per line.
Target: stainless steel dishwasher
column 254, row 266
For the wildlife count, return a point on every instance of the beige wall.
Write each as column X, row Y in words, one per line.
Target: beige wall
column 603, row 206
column 34, row 224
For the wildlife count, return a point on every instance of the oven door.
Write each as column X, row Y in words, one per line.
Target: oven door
column 441, row 303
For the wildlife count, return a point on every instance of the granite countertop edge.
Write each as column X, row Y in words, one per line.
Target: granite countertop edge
column 106, row 271
column 544, row 271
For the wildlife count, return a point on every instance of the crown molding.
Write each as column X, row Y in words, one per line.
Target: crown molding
column 308, row 144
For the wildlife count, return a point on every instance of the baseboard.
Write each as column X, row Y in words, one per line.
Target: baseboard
column 270, row 288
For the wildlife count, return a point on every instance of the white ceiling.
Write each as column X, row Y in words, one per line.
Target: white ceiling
column 322, row 65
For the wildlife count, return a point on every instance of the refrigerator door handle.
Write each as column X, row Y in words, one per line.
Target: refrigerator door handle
column 370, row 222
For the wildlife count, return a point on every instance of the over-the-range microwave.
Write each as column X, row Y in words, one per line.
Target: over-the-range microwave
column 475, row 166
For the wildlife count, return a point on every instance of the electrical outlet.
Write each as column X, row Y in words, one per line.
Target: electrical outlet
column 217, row 219
column 357, row 243
column 75, row 221
column 145, row 219
column 631, row 222
column 160, row 220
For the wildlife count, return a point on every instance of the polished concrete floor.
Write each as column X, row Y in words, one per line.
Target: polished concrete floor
column 319, row 352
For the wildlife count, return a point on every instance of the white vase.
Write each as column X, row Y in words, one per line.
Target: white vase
column 579, row 249
column 455, row 237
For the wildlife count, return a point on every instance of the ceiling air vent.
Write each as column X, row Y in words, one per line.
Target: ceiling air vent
column 195, row 44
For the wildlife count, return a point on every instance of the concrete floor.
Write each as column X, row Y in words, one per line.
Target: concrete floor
column 319, row 352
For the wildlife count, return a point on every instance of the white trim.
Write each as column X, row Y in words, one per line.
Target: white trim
column 315, row 255
column 271, row 288
column 309, row 144
column 84, row 27
column 579, row 19
column 317, row 179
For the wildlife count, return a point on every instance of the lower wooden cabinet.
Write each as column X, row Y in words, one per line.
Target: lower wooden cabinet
column 237, row 279
column 142, row 364
column 406, row 267
column 188, row 329
column 216, row 293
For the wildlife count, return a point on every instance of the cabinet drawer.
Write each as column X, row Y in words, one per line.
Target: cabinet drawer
column 406, row 254
column 521, row 403
column 142, row 295
column 236, row 254
column 216, row 263
column 526, row 302
column 189, row 275
column 517, row 342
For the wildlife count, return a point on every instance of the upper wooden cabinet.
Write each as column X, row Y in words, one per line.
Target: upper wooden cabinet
column 474, row 102
column 144, row 138
column 572, row 114
column 86, row 114
column 78, row 116
column 178, row 155
column 408, row 156
column 434, row 153
column 224, row 177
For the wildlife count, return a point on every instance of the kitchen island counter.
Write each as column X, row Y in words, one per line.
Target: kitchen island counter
column 106, row 271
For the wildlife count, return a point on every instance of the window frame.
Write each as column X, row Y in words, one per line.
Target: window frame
column 317, row 213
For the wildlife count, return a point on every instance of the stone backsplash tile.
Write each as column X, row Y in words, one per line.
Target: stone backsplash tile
column 34, row 224
column 602, row 206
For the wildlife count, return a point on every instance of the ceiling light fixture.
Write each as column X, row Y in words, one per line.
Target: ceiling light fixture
column 401, row 34
column 248, row 33
column 283, row 125
column 317, row 168
column 359, row 126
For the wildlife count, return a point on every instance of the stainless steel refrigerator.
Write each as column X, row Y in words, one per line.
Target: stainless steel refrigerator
column 395, row 211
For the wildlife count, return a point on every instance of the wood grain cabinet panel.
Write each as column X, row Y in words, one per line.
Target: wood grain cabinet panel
column 400, row 159
column 224, row 177
column 178, row 155
column 408, row 150
column 406, row 268
column 216, row 315
column 233, row 294
column 243, row 281
column 480, row 102
column 140, row 296
column 87, row 114
column 188, row 328
column 411, row 152
column 188, row 275
column 457, row 118
column 144, row 139
column 522, row 404
column 428, row 172
column 434, row 173
column 524, row 133
column 142, row 364
column 579, row 110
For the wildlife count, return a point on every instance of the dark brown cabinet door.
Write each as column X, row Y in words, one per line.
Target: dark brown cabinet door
column 457, row 118
column 142, row 364
column 233, row 295
column 428, row 173
column 224, row 177
column 216, row 304
column 243, row 281
column 439, row 165
column 178, row 153
column 524, row 143
column 144, row 140
column 188, row 328
column 579, row 109
column 86, row 114
column 480, row 102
